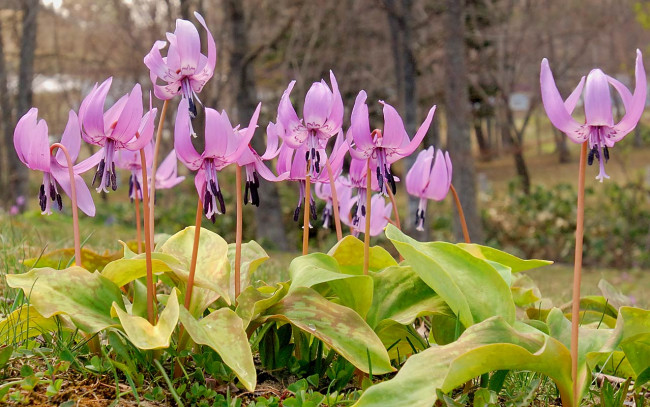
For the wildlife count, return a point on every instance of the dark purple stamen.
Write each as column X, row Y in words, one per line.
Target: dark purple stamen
column 312, row 209
column 246, row 193
column 255, row 197
column 193, row 111
column 391, row 180
column 52, row 192
column 42, row 198
column 99, row 172
column 59, row 202
column 213, row 187
column 222, row 204
column 606, row 153
column 590, row 156
column 296, row 214
column 113, row 178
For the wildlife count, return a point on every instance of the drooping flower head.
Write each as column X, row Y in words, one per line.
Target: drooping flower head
column 428, row 178
column 167, row 174
column 380, row 212
column 223, row 146
column 122, row 126
column 185, row 69
column 599, row 128
column 383, row 148
column 322, row 119
column 324, row 192
column 33, row 148
column 253, row 163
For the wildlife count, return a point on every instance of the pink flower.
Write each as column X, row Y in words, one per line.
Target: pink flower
column 428, row 179
column 166, row 176
column 122, row 126
column 380, row 212
column 383, row 148
column 185, row 70
column 599, row 128
column 322, row 119
column 324, row 192
column 223, row 146
column 32, row 145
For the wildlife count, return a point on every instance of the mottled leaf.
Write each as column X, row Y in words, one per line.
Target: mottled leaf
column 337, row 326
column 487, row 346
column 471, row 287
column 59, row 259
column 125, row 270
column 348, row 252
column 83, row 296
column 223, row 331
column 26, row 322
column 252, row 256
column 254, row 301
column 633, row 329
column 146, row 336
column 515, row 263
column 524, row 291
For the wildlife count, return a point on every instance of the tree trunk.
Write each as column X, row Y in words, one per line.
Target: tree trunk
column 399, row 20
column 482, row 140
column 270, row 227
column 458, row 117
column 8, row 156
column 561, row 147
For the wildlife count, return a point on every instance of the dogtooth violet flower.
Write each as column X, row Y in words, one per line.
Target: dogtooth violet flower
column 380, row 212
column 357, row 179
column 428, row 178
column 383, row 148
column 33, row 148
column 324, row 192
column 294, row 163
column 122, row 126
column 253, row 164
column 185, row 69
column 599, row 128
column 223, row 146
column 322, row 118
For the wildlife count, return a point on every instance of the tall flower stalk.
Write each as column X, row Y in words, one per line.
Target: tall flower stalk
column 597, row 135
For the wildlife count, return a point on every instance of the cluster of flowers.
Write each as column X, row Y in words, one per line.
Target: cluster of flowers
column 125, row 128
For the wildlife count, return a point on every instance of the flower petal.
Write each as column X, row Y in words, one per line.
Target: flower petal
column 130, row 118
column 637, row 104
column 438, row 179
column 31, row 141
column 241, row 141
column 71, row 139
column 273, row 130
column 84, row 198
column 183, row 140
column 189, row 46
column 417, row 139
column 205, row 70
column 90, row 162
column 360, row 126
column 295, row 132
column 554, row 106
column 318, row 103
column 394, row 135
column 417, row 177
column 93, row 119
column 145, row 132
column 572, row 100
column 157, row 65
column 217, row 133
column 598, row 102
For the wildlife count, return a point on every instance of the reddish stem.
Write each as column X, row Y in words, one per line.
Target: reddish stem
column 305, row 218
column 75, row 211
column 335, row 201
column 238, row 233
column 577, row 269
column 461, row 214
column 138, row 227
column 366, row 237
column 195, row 252
column 154, row 167
column 148, row 240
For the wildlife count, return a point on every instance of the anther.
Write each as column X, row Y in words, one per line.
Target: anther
column 296, row 214
column 59, row 202
column 246, row 193
column 255, row 197
column 590, row 156
column 213, row 187
column 99, row 172
column 113, row 178
column 52, row 192
column 606, row 153
column 192, row 109
column 222, row 204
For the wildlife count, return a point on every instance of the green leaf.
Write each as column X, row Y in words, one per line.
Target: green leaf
column 487, row 346
column 471, row 287
column 318, row 269
column 524, row 291
column 252, row 256
column 339, row 327
column 83, row 296
column 146, row 336
column 5, row 355
column 633, row 329
column 58, row 259
column 223, row 331
column 254, row 301
column 26, row 322
column 613, row 295
column 515, row 263
column 123, row 271
column 212, row 274
column 348, row 252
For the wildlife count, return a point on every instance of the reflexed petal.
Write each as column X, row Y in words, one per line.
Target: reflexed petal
column 166, row 92
column 554, row 106
column 572, row 100
column 273, row 131
column 633, row 114
column 189, row 46
column 205, row 70
column 339, row 152
column 360, row 127
column 93, row 120
column 598, row 102
column 623, row 91
column 267, row 174
column 113, row 113
column 284, row 159
column 31, row 141
column 318, row 103
column 295, row 132
column 145, row 131
column 335, row 117
column 248, row 156
column 200, row 183
column 449, row 167
column 90, row 162
column 417, row 139
column 218, row 131
column 85, row 102
column 167, row 174
column 439, row 179
column 173, row 60
column 241, row 141
column 183, row 140
column 130, row 118
column 395, row 135
column 71, row 139
column 417, row 177
column 84, row 198
column 157, row 65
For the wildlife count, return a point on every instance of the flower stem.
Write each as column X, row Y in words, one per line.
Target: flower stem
column 154, row 167
column 461, row 214
column 305, row 218
column 366, row 237
column 73, row 197
column 335, row 201
column 138, row 228
column 577, row 269
column 195, row 252
column 238, row 233
column 148, row 240
column 395, row 211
